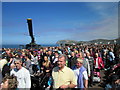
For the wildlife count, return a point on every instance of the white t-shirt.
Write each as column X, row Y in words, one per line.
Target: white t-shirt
column 96, row 65
column 23, row 77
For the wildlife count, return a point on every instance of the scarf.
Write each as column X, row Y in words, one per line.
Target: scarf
column 80, row 78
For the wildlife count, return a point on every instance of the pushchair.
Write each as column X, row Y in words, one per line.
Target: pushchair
column 96, row 77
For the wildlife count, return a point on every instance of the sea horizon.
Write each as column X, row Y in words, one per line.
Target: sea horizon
column 18, row 45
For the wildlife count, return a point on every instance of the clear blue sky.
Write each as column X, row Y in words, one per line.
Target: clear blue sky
column 53, row 21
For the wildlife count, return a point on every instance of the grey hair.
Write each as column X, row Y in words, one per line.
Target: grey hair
column 18, row 59
column 62, row 55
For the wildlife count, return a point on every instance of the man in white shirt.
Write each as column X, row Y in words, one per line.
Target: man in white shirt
column 81, row 74
column 22, row 74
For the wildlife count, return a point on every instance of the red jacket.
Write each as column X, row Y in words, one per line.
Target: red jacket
column 100, row 63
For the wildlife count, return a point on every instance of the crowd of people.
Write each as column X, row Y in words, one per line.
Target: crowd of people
column 76, row 66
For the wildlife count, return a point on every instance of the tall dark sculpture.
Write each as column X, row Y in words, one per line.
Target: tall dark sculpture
column 29, row 21
column 32, row 44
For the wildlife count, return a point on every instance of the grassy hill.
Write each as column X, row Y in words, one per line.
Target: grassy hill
column 97, row 41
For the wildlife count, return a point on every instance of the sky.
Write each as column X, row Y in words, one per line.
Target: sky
column 54, row 21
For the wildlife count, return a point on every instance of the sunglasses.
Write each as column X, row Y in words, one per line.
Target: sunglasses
column 17, row 63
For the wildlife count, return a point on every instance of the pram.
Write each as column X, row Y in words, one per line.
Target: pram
column 96, row 77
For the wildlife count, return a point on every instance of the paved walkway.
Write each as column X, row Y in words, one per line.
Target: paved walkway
column 100, row 85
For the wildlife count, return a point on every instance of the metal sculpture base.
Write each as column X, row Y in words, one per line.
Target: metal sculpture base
column 32, row 45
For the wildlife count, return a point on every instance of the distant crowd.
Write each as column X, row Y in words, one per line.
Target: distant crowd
column 76, row 66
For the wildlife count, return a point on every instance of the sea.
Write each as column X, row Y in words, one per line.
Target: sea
column 18, row 46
